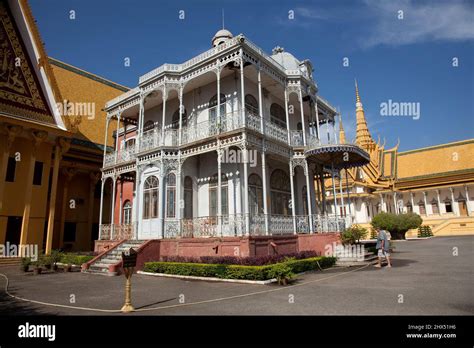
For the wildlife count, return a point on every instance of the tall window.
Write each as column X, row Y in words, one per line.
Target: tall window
column 409, row 207
column 278, row 115
column 213, row 108
column 213, row 196
column 127, row 212
column 188, row 197
column 422, row 208
column 11, row 168
column 171, row 195
column 175, row 119
column 150, row 198
column 304, row 197
column 435, row 206
column 449, row 206
column 255, row 194
column 251, row 104
column 280, row 192
column 38, row 173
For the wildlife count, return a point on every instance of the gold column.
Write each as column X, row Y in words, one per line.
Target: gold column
column 38, row 138
column 61, row 147
column 68, row 174
column 10, row 132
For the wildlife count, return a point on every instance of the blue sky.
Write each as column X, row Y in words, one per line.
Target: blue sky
column 403, row 60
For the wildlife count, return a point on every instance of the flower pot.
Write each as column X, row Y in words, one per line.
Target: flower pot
column 68, row 268
column 55, row 268
column 37, row 270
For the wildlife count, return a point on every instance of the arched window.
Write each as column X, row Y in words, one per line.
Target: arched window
column 304, row 197
column 213, row 108
column 255, row 194
column 127, row 213
column 175, row 119
column 213, row 196
column 278, row 115
column 251, row 104
column 150, row 198
column 280, row 192
column 171, row 196
column 188, row 197
column 435, row 206
column 448, row 205
column 409, row 207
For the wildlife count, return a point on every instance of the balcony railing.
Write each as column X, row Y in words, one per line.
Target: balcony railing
column 117, row 231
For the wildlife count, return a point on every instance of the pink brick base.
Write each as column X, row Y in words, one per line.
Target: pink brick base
column 154, row 249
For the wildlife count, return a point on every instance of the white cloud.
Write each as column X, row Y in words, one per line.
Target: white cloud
column 422, row 22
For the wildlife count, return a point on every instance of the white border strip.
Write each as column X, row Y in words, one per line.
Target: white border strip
column 210, row 279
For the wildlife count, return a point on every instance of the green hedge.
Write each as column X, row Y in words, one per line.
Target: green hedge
column 74, row 259
column 236, row 271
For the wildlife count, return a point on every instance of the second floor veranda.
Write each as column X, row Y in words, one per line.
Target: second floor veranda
column 276, row 129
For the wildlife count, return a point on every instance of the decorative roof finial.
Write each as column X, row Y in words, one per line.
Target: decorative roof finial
column 357, row 92
column 223, row 19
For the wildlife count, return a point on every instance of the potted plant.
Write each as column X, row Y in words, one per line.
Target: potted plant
column 56, row 256
column 47, row 261
column 37, row 267
column 66, row 259
column 25, row 264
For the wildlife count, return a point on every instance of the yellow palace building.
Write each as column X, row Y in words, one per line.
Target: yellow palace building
column 51, row 143
column 436, row 182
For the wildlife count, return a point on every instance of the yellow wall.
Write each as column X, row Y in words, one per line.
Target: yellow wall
column 77, row 88
column 437, row 159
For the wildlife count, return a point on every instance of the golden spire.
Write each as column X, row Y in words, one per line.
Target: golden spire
column 363, row 137
column 342, row 134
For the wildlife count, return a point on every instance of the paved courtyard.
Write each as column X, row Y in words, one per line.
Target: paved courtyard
column 426, row 278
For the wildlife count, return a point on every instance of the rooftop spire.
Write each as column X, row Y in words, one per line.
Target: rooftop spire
column 342, row 134
column 363, row 137
column 357, row 92
column 223, row 19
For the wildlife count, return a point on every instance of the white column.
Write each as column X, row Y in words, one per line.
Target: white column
column 454, row 205
column 441, row 209
column 219, row 189
column 246, row 191
column 334, row 191
column 242, row 89
column 317, row 117
column 382, row 204
column 349, row 195
column 112, row 221
column 342, row 196
column 161, row 199
column 101, row 209
column 218, row 73
column 395, row 205
column 260, row 103
column 117, row 137
column 136, row 202
column 308, row 196
column 426, row 203
column 121, row 201
column 165, row 96
column 300, row 95
column 180, row 114
column 105, row 141
column 292, row 186
column 265, row 193
column 468, row 203
column 287, row 116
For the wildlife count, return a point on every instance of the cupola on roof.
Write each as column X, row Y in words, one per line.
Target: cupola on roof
column 285, row 59
column 221, row 36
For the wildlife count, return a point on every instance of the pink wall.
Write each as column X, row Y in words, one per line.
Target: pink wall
column 126, row 195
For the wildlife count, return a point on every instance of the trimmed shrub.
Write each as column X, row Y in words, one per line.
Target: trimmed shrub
column 353, row 234
column 396, row 224
column 244, row 261
column 263, row 272
column 75, row 259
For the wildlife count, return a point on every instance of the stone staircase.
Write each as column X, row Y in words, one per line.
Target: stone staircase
column 10, row 261
column 101, row 266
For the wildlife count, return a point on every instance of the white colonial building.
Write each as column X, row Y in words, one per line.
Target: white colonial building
column 228, row 143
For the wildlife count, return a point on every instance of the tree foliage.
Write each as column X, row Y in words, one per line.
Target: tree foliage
column 396, row 224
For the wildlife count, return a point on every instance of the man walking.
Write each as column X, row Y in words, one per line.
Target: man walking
column 383, row 248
